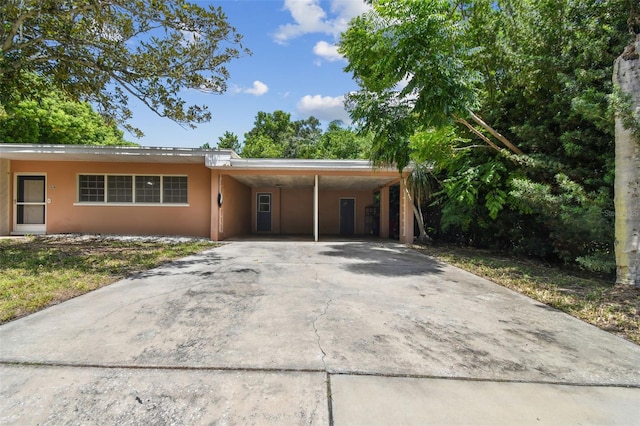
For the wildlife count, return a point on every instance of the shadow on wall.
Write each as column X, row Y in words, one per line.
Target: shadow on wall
column 383, row 259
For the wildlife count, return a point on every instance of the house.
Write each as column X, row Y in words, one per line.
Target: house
column 194, row 192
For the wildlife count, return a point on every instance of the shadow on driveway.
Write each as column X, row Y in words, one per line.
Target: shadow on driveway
column 382, row 259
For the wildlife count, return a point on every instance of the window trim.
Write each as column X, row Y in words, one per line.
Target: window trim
column 133, row 180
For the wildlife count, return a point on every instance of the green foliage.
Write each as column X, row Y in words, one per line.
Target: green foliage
column 229, row 140
column 415, row 51
column 475, row 192
column 579, row 229
column 437, row 146
column 104, row 52
column 274, row 135
column 409, row 58
column 51, row 118
column 539, row 72
column 622, row 104
column 338, row 142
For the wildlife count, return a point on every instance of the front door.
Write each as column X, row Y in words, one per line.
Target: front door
column 264, row 213
column 30, row 206
column 347, row 216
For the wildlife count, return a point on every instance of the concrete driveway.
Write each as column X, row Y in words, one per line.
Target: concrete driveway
column 333, row 333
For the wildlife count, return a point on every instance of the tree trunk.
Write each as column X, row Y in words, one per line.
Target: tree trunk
column 417, row 213
column 626, row 76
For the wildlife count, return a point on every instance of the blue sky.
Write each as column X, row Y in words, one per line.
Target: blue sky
column 294, row 68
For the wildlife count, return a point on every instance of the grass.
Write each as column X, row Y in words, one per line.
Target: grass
column 596, row 300
column 37, row 272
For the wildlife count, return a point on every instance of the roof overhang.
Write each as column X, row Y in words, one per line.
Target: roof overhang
column 300, row 173
column 253, row 172
column 119, row 154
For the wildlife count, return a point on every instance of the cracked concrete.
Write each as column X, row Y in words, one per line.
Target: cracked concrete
column 312, row 333
column 315, row 329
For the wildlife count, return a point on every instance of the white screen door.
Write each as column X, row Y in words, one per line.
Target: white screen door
column 30, row 212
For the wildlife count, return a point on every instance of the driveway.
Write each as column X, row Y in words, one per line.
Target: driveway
column 328, row 333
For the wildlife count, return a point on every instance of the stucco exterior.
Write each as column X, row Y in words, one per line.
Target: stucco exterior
column 222, row 190
column 66, row 215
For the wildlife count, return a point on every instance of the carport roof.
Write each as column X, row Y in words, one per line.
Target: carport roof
column 300, row 173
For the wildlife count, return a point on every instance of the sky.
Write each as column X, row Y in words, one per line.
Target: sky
column 294, row 67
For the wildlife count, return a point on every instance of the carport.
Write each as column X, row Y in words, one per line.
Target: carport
column 303, row 197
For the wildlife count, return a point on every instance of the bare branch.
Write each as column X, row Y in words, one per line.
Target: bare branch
column 477, row 132
column 496, row 134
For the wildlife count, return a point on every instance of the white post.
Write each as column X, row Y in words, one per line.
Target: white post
column 315, row 208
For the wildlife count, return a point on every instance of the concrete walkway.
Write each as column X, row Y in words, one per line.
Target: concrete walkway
column 284, row 333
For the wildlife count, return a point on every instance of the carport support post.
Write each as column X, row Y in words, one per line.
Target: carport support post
column 315, row 208
column 215, row 209
column 384, row 212
column 406, row 216
column 5, row 196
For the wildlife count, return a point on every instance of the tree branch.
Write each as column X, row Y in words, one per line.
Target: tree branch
column 8, row 42
column 496, row 134
column 477, row 132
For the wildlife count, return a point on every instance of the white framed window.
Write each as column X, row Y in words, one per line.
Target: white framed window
column 119, row 189
column 132, row 189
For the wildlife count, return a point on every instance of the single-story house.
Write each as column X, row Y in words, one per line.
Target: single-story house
column 194, row 192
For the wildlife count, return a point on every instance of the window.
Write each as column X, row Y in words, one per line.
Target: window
column 119, row 189
column 174, row 189
column 91, row 188
column 136, row 189
column 264, row 203
column 147, row 189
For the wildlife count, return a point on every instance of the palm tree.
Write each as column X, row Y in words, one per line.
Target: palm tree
column 419, row 185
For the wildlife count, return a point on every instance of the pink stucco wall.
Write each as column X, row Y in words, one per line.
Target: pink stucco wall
column 64, row 215
column 235, row 212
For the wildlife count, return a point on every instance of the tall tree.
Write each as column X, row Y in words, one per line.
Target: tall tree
column 104, row 51
column 269, row 136
column 342, row 143
column 537, row 70
column 229, row 140
column 627, row 186
column 275, row 135
column 49, row 117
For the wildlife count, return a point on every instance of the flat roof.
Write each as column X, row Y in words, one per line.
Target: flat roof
column 138, row 154
column 254, row 172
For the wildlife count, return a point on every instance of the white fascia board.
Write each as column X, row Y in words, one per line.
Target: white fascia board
column 106, row 153
column 300, row 164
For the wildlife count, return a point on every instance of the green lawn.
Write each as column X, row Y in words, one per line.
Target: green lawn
column 37, row 272
column 593, row 299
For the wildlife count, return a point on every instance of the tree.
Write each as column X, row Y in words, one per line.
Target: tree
column 338, row 142
column 51, row 118
column 626, row 76
column 275, row 135
column 269, row 136
column 229, row 140
column 411, row 60
column 537, row 70
column 105, row 51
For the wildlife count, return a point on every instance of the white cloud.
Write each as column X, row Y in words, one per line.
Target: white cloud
column 327, row 51
column 310, row 17
column 190, row 37
column 324, row 108
column 258, row 89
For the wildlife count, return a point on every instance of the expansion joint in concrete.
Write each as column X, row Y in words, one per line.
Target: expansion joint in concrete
column 329, row 400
